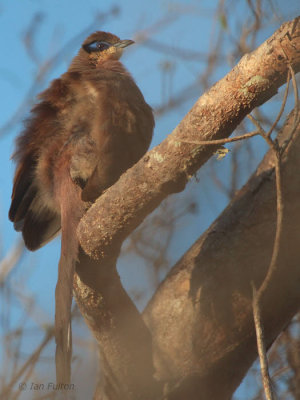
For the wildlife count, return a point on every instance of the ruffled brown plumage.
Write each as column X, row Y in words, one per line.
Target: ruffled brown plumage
column 88, row 127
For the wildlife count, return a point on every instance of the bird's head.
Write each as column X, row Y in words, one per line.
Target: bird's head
column 102, row 46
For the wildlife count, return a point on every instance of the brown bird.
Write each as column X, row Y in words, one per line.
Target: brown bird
column 88, row 127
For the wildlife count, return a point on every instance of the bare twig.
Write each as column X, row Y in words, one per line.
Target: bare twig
column 258, row 295
column 11, row 259
column 31, row 360
column 296, row 96
column 282, row 105
column 223, row 141
column 261, row 347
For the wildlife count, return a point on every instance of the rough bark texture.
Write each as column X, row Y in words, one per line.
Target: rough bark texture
column 125, row 342
column 201, row 316
column 200, row 319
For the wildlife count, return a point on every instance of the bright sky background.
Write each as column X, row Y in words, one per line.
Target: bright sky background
column 187, row 26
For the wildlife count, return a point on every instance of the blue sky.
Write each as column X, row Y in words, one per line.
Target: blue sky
column 61, row 21
column 36, row 274
column 184, row 24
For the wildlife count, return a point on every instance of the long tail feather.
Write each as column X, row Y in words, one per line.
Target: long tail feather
column 72, row 209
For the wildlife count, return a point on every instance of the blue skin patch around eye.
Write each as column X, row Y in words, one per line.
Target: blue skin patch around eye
column 96, row 46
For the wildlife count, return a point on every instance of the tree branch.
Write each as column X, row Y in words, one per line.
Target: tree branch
column 125, row 342
column 185, row 331
column 167, row 168
column 201, row 316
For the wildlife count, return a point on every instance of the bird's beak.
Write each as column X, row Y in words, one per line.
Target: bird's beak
column 123, row 43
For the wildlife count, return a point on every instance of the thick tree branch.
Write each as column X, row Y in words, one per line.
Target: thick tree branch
column 201, row 316
column 168, row 167
column 124, row 340
column 184, row 348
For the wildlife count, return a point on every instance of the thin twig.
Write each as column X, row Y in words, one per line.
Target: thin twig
column 222, row 141
column 32, row 359
column 282, row 105
column 260, row 129
column 296, row 96
column 279, row 195
column 10, row 260
column 279, row 222
column 257, row 295
column 266, row 380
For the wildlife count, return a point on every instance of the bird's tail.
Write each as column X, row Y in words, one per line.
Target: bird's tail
column 72, row 209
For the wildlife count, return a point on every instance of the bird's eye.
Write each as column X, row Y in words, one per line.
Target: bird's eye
column 96, row 46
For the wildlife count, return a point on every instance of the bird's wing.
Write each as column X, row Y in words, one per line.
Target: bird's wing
column 29, row 209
